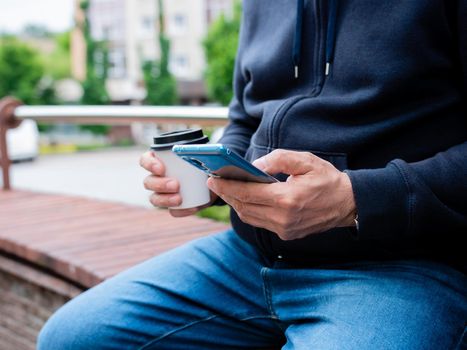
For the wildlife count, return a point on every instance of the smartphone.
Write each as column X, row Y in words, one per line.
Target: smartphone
column 218, row 160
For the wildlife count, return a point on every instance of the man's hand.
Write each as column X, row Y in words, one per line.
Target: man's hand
column 165, row 190
column 316, row 196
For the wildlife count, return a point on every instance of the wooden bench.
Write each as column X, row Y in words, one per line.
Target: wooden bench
column 53, row 247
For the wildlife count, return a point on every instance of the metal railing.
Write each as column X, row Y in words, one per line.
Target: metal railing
column 12, row 112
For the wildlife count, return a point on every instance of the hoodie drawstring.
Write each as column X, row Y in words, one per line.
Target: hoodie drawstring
column 297, row 47
column 330, row 35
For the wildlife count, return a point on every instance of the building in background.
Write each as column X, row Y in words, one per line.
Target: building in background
column 130, row 28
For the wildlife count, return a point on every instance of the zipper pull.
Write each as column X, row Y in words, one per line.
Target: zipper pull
column 328, row 67
column 296, row 72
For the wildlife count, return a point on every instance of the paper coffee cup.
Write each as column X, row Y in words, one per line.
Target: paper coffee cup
column 193, row 188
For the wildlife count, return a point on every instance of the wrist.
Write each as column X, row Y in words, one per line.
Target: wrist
column 349, row 216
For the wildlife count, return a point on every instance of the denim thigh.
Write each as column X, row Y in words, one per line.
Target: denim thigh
column 370, row 305
column 207, row 294
column 218, row 293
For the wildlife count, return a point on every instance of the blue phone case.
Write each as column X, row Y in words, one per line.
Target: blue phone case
column 219, row 161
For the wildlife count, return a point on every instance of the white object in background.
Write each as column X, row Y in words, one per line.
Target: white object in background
column 193, row 188
column 216, row 135
column 23, row 141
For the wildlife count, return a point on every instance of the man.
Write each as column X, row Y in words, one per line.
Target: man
column 361, row 107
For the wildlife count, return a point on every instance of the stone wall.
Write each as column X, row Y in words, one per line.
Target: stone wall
column 27, row 299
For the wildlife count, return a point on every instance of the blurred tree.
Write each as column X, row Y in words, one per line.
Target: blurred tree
column 160, row 85
column 220, row 48
column 57, row 64
column 94, row 90
column 20, row 71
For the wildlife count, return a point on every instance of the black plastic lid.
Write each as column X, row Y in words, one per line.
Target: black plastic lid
column 180, row 137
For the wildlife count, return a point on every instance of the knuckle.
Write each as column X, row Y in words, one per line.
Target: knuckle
column 152, row 183
column 154, row 200
column 284, row 202
column 289, row 203
column 282, row 233
column 239, row 207
column 242, row 216
column 280, row 154
column 147, row 182
column 283, row 222
column 310, row 157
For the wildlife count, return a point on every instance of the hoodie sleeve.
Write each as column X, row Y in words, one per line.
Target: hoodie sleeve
column 241, row 127
column 410, row 199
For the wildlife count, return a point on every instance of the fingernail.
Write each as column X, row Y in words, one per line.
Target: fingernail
column 171, row 185
column 260, row 163
column 211, row 184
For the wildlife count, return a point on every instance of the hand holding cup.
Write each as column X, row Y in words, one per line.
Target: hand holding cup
column 175, row 184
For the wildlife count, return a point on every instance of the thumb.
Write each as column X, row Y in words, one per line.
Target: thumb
column 286, row 162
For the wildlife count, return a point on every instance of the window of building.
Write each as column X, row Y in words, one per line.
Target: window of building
column 178, row 24
column 147, row 24
column 117, row 69
column 179, row 65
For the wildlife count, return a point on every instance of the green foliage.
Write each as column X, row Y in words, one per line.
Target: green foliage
column 94, row 90
column 96, row 129
column 20, row 71
column 220, row 48
column 161, row 88
column 57, row 64
column 216, row 213
column 160, row 85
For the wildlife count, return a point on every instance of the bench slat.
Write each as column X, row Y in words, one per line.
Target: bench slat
column 85, row 240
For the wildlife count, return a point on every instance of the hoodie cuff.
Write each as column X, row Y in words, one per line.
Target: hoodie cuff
column 382, row 198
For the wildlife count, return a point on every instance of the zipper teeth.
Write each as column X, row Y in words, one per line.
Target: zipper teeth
column 320, row 54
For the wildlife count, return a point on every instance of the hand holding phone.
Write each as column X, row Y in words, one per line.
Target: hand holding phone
column 218, row 160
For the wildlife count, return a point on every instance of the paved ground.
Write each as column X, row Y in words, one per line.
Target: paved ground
column 113, row 175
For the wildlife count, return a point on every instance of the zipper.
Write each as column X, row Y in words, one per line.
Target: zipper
column 320, row 49
column 319, row 75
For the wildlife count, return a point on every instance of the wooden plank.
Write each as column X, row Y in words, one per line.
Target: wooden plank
column 87, row 240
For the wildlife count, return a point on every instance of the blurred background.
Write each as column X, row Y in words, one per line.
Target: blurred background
column 109, row 52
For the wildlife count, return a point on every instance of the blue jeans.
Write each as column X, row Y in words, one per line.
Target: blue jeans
column 218, row 293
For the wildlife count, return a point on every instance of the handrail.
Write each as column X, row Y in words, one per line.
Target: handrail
column 124, row 114
column 12, row 113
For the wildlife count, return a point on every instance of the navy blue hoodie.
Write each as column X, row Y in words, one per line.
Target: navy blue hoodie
column 378, row 88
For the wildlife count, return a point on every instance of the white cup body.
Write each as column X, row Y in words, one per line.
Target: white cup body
column 193, row 188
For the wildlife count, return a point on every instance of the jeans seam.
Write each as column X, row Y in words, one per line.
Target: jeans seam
column 267, row 292
column 461, row 342
column 173, row 331
column 270, row 317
